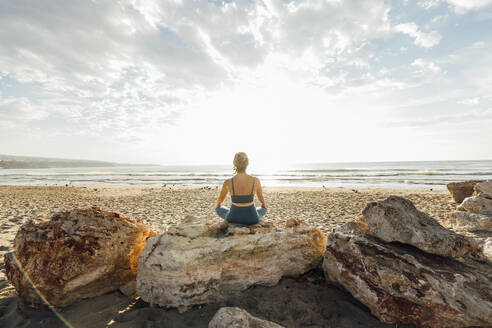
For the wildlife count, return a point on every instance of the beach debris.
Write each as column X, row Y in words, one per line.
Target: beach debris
column 205, row 260
column 460, row 190
column 397, row 219
column 464, row 221
column 401, row 284
column 74, row 255
column 476, row 204
column 235, row 317
column 483, row 189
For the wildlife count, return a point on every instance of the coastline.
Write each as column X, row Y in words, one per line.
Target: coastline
column 160, row 207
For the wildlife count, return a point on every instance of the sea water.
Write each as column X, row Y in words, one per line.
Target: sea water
column 415, row 175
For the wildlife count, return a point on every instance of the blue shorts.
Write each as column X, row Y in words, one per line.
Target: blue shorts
column 241, row 215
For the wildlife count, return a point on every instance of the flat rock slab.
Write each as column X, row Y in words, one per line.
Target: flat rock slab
column 464, row 221
column 397, row 219
column 234, row 317
column 483, row 189
column 403, row 285
column 476, row 204
column 75, row 255
column 460, row 190
column 205, row 260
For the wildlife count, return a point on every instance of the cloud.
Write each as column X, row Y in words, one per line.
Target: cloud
column 464, row 6
column 132, row 63
column 470, row 101
column 429, row 4
column 424, row 67
column 458, row 6
column 422, row 39
column 460, row 119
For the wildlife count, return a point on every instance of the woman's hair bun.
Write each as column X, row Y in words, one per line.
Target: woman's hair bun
column 240, row 162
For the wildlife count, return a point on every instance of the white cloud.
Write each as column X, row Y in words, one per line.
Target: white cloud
column 425, row 67
column 429, row 4
column 121, row 64
column 461, row 119
column 464, row 6
column 422, row 39
column 470, row 101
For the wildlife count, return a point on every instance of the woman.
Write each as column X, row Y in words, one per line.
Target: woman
column 242, row 188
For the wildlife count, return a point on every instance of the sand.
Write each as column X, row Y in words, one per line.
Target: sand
column 307, row 301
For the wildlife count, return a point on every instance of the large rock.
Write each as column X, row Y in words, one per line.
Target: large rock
column 205, row 260
column 403, row 285
column 397, row 219
column 74, row 255
column 476, row 204
column 234, row 317
column 461, row 190
column 484, row 189
column 464, row 221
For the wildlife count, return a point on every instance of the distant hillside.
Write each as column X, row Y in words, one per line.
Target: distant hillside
column 27, row 162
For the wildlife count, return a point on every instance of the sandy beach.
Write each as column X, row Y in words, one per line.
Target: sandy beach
column 162, row 207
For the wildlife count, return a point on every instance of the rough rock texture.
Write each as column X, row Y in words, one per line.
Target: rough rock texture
column 464, row 221
column 234, row 317
column 402, row 284
column 129, row 289
column 487, row 249
column 461, row 190
column 74, row 255
column 483, row 189
column 205, row 260
column 397, row 219
column 476, row 204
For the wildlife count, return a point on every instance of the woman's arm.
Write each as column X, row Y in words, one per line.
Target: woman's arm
column 259, row 193
column 223, row 194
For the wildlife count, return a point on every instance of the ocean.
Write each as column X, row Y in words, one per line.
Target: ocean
column 414, row 175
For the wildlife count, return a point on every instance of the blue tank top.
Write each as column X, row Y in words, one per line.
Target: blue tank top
column 243, row 199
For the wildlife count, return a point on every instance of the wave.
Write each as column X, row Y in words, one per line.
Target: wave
column 422, row 174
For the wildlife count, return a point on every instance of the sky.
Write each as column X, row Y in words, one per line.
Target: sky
column 193, row 82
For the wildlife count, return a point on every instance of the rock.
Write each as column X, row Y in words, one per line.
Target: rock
column 234, row 317
column 476, row 204
column 397, row 219
column 129, row 289
column 204, row 260
column 487, row 249
column 401, row 284
column 483, row 189
column 465, row 221
column 74, row 255
column 460, row 190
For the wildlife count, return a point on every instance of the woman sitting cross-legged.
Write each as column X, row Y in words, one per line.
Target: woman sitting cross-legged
column 242, row 188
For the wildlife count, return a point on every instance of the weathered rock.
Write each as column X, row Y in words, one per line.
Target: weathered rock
column 397, row 219
column 483, row 189
column 464, row 221
column 205, row 260
column 487, row 249
column 129, row 289
column 461, row 190
column 401, row 284
column 476, row 204
column 234, row 317
column 74, row 255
